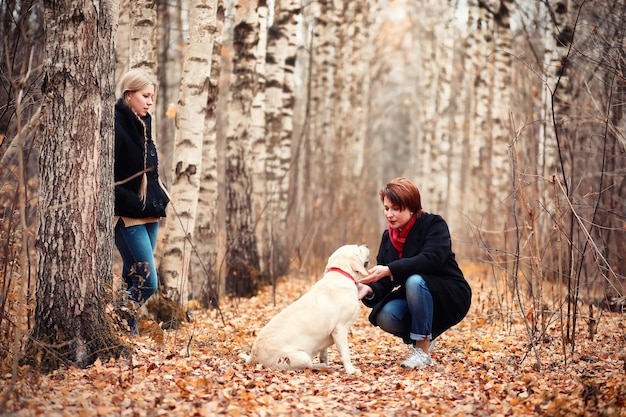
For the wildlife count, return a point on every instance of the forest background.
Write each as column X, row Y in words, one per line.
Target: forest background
column 277, row 123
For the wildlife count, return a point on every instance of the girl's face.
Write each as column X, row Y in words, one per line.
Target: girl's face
column 141, row 100
column 397, row 218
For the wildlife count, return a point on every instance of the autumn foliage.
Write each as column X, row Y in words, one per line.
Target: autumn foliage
column 483, row 366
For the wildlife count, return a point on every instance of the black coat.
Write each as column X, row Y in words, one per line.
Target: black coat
column 130, row 140
column 427, row 252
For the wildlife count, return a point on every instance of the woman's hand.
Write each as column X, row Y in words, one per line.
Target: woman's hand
column 364, row 291
column 376, row 273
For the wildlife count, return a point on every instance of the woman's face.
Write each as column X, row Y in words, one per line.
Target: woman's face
column 397, row 218
column 141, row 100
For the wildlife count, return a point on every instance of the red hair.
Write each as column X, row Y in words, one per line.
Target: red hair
column 402, row 192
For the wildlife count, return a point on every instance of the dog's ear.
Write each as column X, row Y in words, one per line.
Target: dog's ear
column 329, row 263
column 358, row 263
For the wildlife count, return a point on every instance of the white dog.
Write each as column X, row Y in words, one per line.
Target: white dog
column 319, row 318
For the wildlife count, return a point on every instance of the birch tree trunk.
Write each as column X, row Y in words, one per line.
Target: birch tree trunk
column 617, row 139
column 122, row 39
column 556, row 97
column 260, row 198
column 187, row 158
column 364, row 13
column 242, row 259
column 335, row 146
column 351, row 110
column 424, row 38
column 170, row 55
column 469, row 109
column 316, row 154
column 457, row 174
column 480, row 137
column 204, row 277
column 557, row 92
column 501, row 185
column 279, row 108
column 142, row 46
column 143, row 22
column 78, row 75
column 445, row 136
column 299, row 176
column 437, row 82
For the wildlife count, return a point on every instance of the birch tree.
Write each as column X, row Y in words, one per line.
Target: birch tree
column 426, row 146
column 483, row 129
column 315, row 154
column 205, row 275
column 75, row 191
column 242, row 259
column 444, row 136
column 326, row 167
column 142, row 35
column 258, row 146
column 499, row 170
column 122, row 42
column 351, row 96
column 555, row 98
column 614, row 43
column 435, row 84
column 187, row 158
column 170, row 48
column 457, row 157
column 500, row 166
column 466, row 121
column 279, row 108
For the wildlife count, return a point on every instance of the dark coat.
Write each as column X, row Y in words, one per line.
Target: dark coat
column 427, row 252
column 130, row 140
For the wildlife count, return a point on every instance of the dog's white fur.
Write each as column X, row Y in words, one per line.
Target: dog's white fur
column 315, row 321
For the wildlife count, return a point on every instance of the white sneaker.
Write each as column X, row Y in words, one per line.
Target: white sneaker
column 431, row 346
column 418, row 359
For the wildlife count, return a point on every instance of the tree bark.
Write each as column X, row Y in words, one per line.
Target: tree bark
column 170, row 50
column 319, row 170
column 143, row 31
column 204, row 277
column 501, row 176
column 258, row 151
column 122, row 48
column 280, row 99
column 69, row 316
column 480, row 137
column 187, row 158
column 242, row 259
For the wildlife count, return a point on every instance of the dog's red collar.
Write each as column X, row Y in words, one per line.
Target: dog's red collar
column 344, row 273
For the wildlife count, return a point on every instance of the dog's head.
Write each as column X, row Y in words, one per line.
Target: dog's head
column 350, row 258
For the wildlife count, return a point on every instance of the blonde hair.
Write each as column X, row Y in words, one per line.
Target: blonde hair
column 134, row 80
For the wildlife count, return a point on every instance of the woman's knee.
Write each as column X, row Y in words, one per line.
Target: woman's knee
column 416, row 280
column 415, row 284
column 391, row 317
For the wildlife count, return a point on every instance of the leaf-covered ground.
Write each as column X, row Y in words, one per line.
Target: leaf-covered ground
column 482, row 367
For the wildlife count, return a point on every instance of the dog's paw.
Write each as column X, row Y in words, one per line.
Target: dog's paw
column 350, row 369
column 284, row 361
column 245, row 357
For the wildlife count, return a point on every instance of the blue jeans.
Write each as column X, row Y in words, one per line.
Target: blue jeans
column 410, row 318
column 136, row 245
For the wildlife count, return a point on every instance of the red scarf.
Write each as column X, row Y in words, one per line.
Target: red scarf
column 398, row 237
